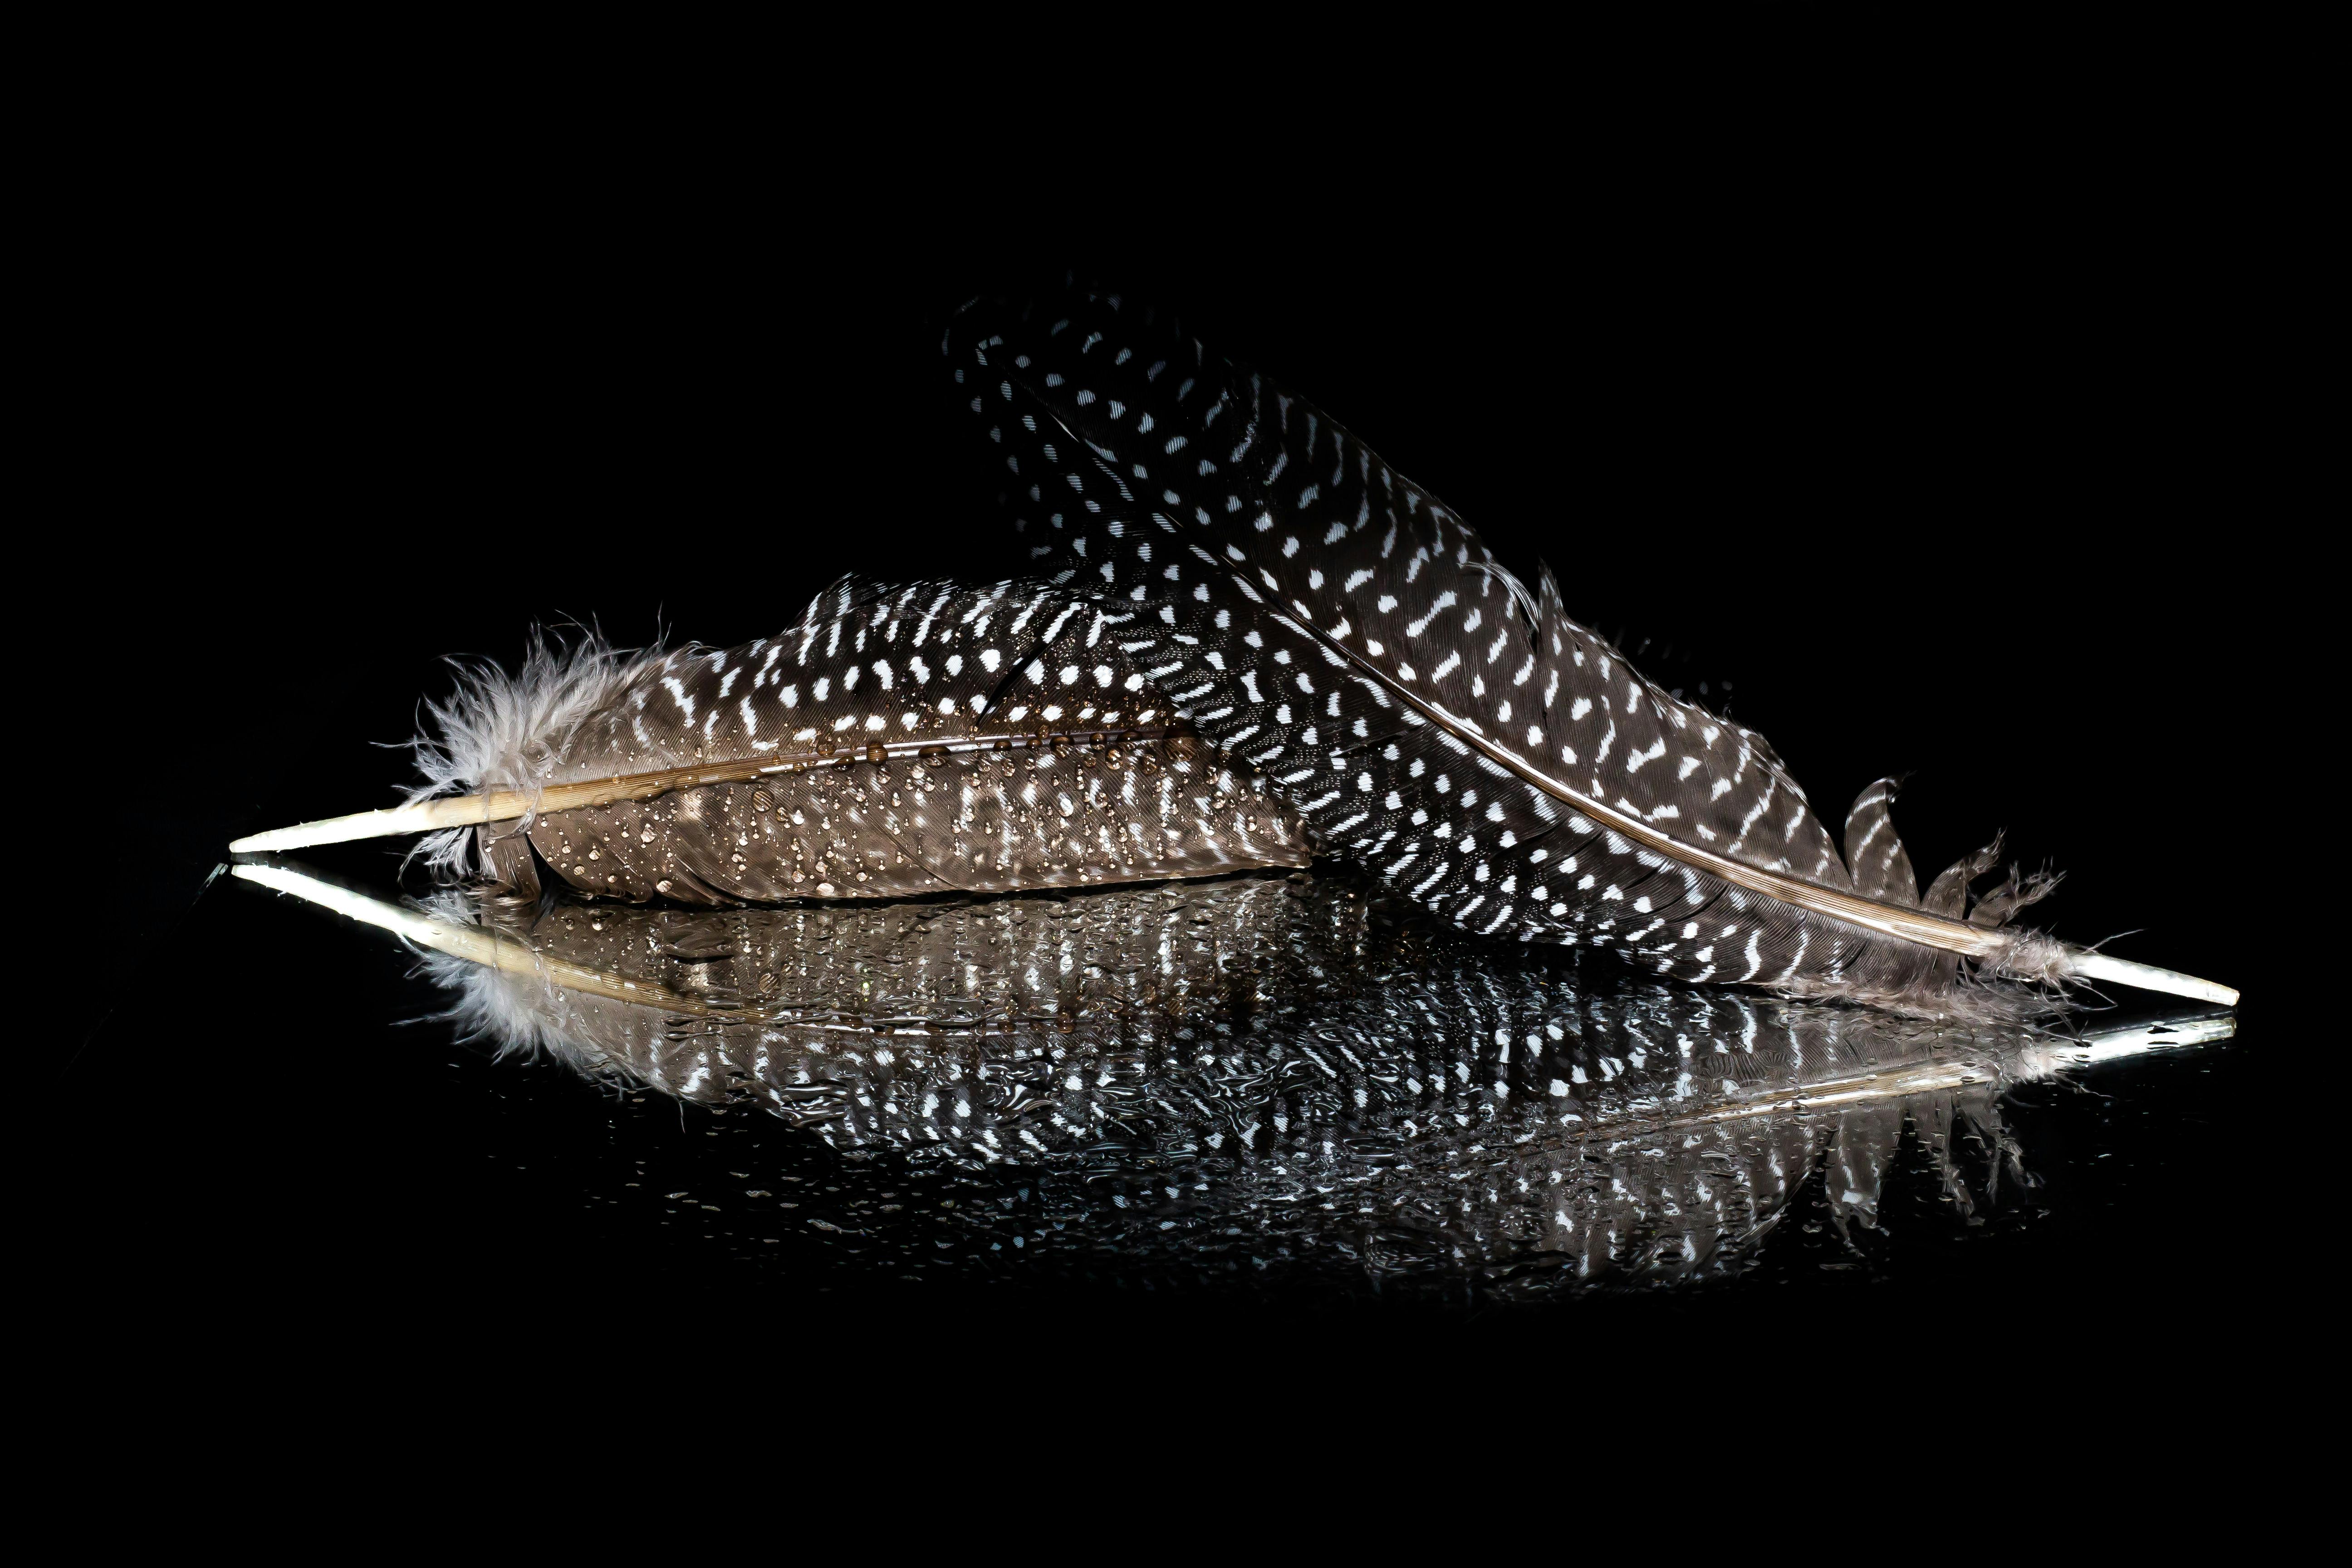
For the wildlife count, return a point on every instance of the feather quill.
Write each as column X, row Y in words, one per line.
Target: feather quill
column 1342, row 630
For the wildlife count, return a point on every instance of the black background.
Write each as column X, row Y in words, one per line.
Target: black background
column 1957, row 464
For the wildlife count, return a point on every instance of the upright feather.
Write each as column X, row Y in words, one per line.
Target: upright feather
column 1339, row 628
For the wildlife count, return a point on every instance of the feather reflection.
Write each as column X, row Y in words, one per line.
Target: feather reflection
column 1235, row 1070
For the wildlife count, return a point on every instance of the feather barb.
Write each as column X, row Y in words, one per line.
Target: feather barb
column 1998, row 948
column 1889, row 920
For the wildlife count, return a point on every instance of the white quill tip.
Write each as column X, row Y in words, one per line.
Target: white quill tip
column 425, row 930
column 421, row 817
column 357, row 905
column 2088, row 965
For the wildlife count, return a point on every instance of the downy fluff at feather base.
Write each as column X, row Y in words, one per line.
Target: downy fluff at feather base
column 899, row 740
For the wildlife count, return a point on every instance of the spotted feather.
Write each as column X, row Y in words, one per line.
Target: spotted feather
column 914, row 739
column 1339, row 628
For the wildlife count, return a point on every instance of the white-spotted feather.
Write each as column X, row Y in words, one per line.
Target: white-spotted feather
column 1341, row 630
column 887, row 713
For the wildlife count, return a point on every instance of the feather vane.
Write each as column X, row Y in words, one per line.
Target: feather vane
column 1339, row 628
column 897, row 740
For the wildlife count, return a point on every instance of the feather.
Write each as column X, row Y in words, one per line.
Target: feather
column 1342, row 630
column 1618, row 1125
column 897, row 740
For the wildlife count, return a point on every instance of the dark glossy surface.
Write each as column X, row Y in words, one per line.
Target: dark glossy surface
column 1264, row 1088
column 263, row 1121
column 326, row 1146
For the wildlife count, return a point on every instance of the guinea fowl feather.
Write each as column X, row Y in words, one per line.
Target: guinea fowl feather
column 876, row 741
column 1223, row 562
column 1342, row 630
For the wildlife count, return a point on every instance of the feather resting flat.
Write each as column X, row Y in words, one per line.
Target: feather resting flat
column 899, row 741
column 1345, row 633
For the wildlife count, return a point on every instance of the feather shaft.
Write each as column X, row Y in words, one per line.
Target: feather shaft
column 1887, row 919
column 509, row 806
column 2084, row 964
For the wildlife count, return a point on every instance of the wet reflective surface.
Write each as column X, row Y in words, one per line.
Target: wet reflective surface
column 1906, row 486
column 1257, row 1091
